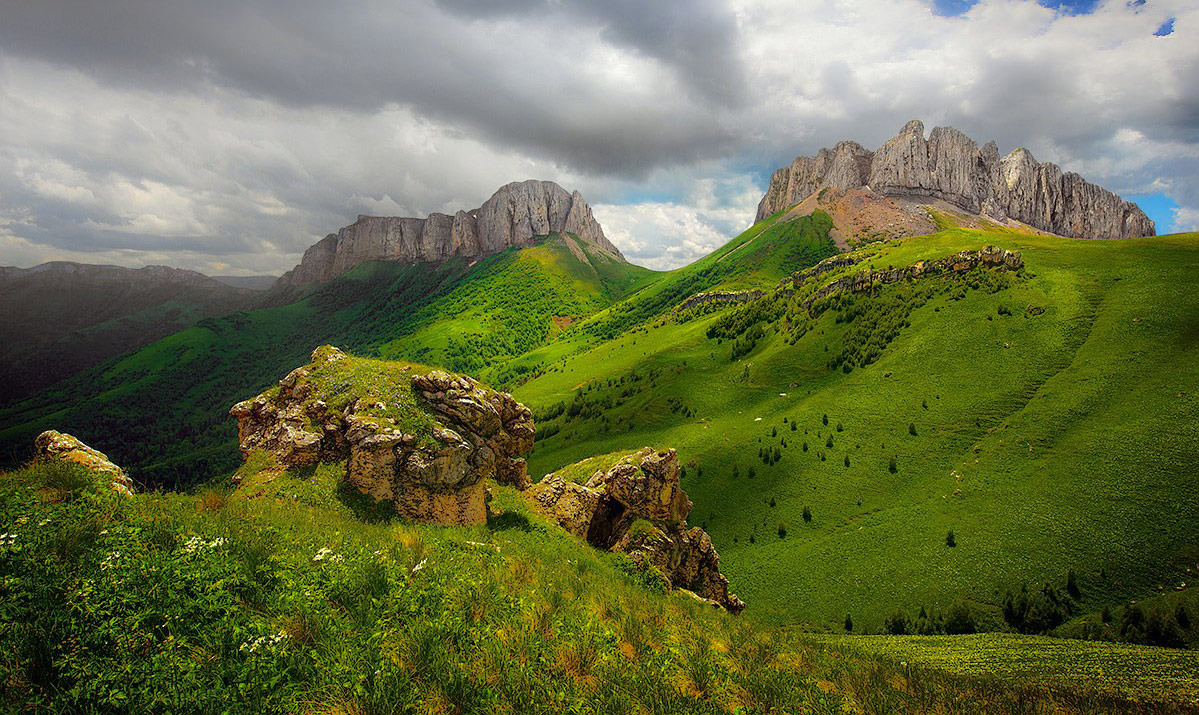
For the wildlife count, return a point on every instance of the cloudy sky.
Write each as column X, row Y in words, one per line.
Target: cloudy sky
column 228, row 135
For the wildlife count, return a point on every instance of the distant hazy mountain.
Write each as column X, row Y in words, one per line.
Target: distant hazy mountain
column 59, row 318
column 248, row 282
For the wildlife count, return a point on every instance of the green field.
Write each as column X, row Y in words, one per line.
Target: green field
column 1131, row 672
column 294, row 593
column 1038, row 437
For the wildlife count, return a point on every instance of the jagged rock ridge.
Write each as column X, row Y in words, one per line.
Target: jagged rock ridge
column 513, row 216
column 950, row 166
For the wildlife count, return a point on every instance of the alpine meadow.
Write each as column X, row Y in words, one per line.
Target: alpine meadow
column 905, row 429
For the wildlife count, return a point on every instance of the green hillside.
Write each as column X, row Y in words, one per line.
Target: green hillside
column 290, row 594
column 1036, row 437
column 162, row 411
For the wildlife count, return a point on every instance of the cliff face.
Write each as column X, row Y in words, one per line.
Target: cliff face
column 511, row 217
column 950, row 166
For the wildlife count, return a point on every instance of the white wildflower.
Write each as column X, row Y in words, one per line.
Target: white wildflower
column 110, row 560
column 322, row 554
column 7, row 539
column 420, row 566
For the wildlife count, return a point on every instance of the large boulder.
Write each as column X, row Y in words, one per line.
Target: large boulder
column 638, row 507
column 424, row 440
column 56, row 445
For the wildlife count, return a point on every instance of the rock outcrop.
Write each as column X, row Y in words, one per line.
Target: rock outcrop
column 56, row 445
column 988, row 257
column 951, row 167
column 513, row 216
column 425, row 441
column 717, row 297
column 638, row 507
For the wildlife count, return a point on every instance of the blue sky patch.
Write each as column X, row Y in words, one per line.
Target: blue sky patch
column 1158, row 207
column 1166, row 28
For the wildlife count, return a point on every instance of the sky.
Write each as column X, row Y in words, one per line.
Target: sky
column 227, row 136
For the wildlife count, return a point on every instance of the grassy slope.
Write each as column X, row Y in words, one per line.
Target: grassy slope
column 162, row 411
column 1060, row 431
column 292, row 594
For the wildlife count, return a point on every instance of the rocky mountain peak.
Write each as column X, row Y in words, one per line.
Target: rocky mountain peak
column 951, row 166
column 514, row 215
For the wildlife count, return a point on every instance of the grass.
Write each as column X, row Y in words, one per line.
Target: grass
column 279, row 597
column 1037, row 436
column 1119, row 670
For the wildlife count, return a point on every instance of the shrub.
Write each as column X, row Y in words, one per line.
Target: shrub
column 896, row 624
column 826, row 420
column 782, row 529
column 848, row 623
column 912, row 428
column 950, row 540
column 959, row 619
column 1072, row 585
column 807, row 515
column 891, row 466
column 847, row 460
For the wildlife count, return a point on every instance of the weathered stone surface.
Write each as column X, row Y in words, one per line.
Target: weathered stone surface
column 952, row 167
column 437, row 476
column 56, row 445
column 513, row 216
column 638, row 507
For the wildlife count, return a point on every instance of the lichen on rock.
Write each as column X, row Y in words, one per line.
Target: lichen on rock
column 422, row 438
column 52, row 444
column 638, row 507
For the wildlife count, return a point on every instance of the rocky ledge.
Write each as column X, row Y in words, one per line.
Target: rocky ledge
column 990, row 257
column 719, row 297
column 424, row 439
column 638, row 507
column 950, row 166
column 56, row 445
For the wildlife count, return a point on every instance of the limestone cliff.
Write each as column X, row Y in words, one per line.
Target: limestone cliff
column 951, row 167
column 513, row 216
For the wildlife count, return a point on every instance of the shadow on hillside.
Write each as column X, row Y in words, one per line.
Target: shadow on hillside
column 364, row 507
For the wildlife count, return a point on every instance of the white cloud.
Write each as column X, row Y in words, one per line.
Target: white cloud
column 133, row 136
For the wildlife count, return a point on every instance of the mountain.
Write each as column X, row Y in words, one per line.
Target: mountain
column 160, row 407
column 513, row 217
column 951, row 167
column 250, row 282
column 59, row 318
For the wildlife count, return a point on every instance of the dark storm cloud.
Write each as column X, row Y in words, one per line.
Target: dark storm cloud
column 698, row 38
column 521, row 82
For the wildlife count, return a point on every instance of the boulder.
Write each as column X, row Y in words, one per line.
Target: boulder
column 638, row 507
column 56, row 445
column 459, row 434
